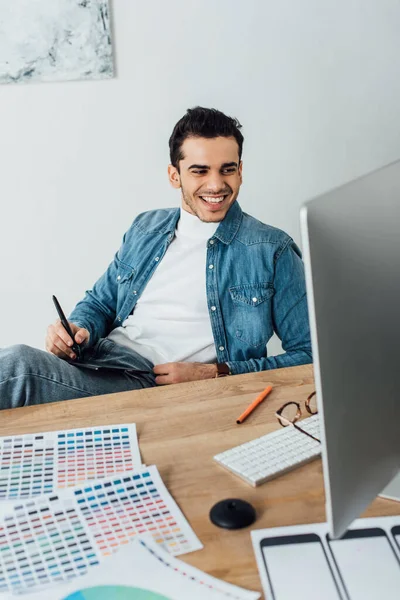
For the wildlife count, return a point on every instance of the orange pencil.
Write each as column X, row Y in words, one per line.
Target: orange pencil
column 255, row 403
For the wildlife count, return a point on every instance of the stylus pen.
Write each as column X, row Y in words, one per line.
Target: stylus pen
column 255, row 403
column 75, row 347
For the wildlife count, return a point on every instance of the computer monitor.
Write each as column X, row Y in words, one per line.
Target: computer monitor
column 351, row 244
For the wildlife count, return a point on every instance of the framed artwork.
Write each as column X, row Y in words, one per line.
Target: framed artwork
column 55, row 40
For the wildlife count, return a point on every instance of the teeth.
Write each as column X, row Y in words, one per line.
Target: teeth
column 212, row 199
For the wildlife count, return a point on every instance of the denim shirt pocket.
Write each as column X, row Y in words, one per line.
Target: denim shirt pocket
column 124, row 273
column 252, row 312
column 124, row 279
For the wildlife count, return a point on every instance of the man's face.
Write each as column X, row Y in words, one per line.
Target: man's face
column 210, row 176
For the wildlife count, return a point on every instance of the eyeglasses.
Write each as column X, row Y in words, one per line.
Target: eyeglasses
column 290, row 413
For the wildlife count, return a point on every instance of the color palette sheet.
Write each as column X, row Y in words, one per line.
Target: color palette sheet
column 144, row 571
column 43, row 463
column 54, row 538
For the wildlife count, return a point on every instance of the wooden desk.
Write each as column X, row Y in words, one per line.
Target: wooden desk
column 180, row 429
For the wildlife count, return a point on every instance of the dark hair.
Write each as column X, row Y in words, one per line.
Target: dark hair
column 206, row 123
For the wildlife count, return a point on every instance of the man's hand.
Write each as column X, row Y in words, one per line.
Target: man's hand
column 58, row 341
column 179, row 372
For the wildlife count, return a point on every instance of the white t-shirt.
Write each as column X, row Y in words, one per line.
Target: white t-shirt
column 170, row 322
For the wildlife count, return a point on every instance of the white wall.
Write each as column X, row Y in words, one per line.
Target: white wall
column 315, row 84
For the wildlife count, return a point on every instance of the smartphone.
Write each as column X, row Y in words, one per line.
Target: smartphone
column 396, row 535
column 367, row 564
column 297, row 567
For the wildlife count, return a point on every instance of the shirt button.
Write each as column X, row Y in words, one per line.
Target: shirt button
column 118, row 318
column 119, row 277
column 213, row 308
column 221, row 348
column 210, row 266
column 254, row 299
column 134, row 292
column 211, row 242
column 157, row 258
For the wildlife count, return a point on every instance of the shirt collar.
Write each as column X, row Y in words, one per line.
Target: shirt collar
column 229, row 227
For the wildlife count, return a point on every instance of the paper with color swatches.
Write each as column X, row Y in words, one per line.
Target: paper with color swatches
column 53, row 538
column 143, row 571
column 43, row 463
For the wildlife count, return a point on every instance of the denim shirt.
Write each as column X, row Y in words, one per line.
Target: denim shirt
column 254, row 279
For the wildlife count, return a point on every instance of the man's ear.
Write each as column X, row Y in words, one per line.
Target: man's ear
column 240, row 172
column 174, row 177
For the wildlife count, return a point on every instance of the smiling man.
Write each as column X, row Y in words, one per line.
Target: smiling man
column 209, row 186
column 193, row 293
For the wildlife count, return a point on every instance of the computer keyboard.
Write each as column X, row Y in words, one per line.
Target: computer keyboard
column 273, row 454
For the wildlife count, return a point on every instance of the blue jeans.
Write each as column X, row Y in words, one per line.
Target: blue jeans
column 30, row 376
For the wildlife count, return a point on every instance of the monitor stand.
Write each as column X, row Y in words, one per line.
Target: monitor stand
column 392, row 491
